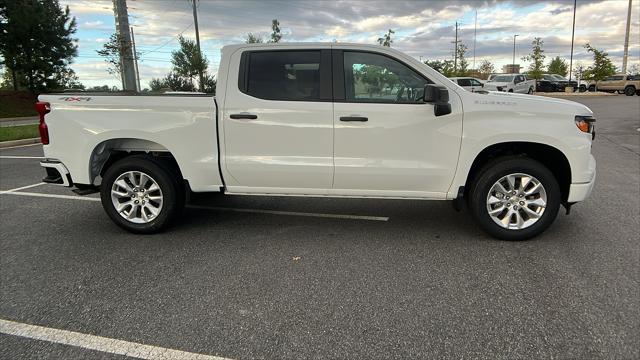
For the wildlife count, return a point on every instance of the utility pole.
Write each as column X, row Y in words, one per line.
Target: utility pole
column 626, row 41
column 135, row 58
column 126, row 56
column 455, row 51
column 195, row 23
column 573, row 31
column 475, row 34
column 513, row 64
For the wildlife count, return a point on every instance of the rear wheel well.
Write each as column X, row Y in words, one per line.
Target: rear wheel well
column 547, row 155
column 109, row 152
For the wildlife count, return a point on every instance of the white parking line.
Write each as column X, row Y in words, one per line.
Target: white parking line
column 259, row 211
column 22, row 188
column 21, row 157
column 71, row 197
column 98, row 343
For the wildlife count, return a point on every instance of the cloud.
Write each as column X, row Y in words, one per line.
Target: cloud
column 423, row 28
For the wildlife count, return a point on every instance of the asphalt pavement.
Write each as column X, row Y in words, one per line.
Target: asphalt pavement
column 400, row 280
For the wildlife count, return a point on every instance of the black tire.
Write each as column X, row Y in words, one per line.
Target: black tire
column 592, row 88
column 170, row 184
column 530, row 92
column 629, row 91
column 582, row 88
column 493, row 172
column 510, row 90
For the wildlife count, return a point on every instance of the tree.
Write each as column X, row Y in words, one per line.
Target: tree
column 444, row 67
column 111, row 53
column 36, row 42
column 602, row 65
column 157, row 84
column 537, row 56
column 210, row 83
column 558, row 66
column 633, row 69
column 486, row 68
column 463, row 64
column 386, row 40
column 188, row 61
column 253, row 39
column 276, row 35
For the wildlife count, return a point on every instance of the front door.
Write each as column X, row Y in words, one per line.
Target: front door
column 388, row 142
column 278, row 122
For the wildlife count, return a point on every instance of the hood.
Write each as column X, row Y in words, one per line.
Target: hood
column 532, row 103
column 493, row 83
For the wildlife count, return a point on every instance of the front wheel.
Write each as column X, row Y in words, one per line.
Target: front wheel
column 629, row 91
column 141, row 194
column 515, row 198
column 592, row 88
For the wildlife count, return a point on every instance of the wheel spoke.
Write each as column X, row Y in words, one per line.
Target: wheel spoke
column 532, row 214
column 519, row 219
column 506, row 219
column 533, row 189
column 511, row 180
column 524, row 182
column 123, row 184
column 538, row 202
column 493, row 200
column 121, row 207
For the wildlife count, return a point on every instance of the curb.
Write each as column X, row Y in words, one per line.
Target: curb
column 10, row 143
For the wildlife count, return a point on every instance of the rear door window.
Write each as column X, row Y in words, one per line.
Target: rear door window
column 284, row 75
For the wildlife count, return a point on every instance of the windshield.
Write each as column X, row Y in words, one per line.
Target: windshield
column 559, row 77
column 503, row 78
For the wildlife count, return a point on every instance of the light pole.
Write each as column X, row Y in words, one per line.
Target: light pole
column 513, row 64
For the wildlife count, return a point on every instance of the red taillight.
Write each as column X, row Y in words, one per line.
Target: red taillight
column 43, row 108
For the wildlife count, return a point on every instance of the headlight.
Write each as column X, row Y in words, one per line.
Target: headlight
column 586, row 124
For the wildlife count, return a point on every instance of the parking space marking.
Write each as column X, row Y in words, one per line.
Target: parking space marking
column 71, row 197
column 259, row 211
column 22, row 188
column 97, row 343
column 21, row 157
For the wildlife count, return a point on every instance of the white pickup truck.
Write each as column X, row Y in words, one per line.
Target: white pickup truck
column 517, row 83
column 324, row 119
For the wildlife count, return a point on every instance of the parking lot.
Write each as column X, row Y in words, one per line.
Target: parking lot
column 293, row 278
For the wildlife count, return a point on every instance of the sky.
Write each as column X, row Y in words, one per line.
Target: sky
column 423, row 29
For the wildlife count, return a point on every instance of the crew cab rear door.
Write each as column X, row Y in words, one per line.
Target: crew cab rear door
column 278, row 121
column 388, row 142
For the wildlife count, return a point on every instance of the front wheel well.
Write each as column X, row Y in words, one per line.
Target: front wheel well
column 547, row 155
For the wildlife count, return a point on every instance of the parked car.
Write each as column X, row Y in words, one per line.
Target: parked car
column 468, row 83
column 553, row 83
column 511, row 83
column 312, row 120
column 622, row 83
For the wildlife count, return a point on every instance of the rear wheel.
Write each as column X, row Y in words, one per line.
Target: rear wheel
column 530, row 92
column 629, row 91
column 515, row 198
column 141, row 194
column 511, row 90
column 592, row 88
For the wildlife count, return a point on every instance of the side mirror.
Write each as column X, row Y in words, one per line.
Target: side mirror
column 439, row 97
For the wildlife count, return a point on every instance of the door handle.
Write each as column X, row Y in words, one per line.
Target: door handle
column 244, row 116
column 353, row 118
